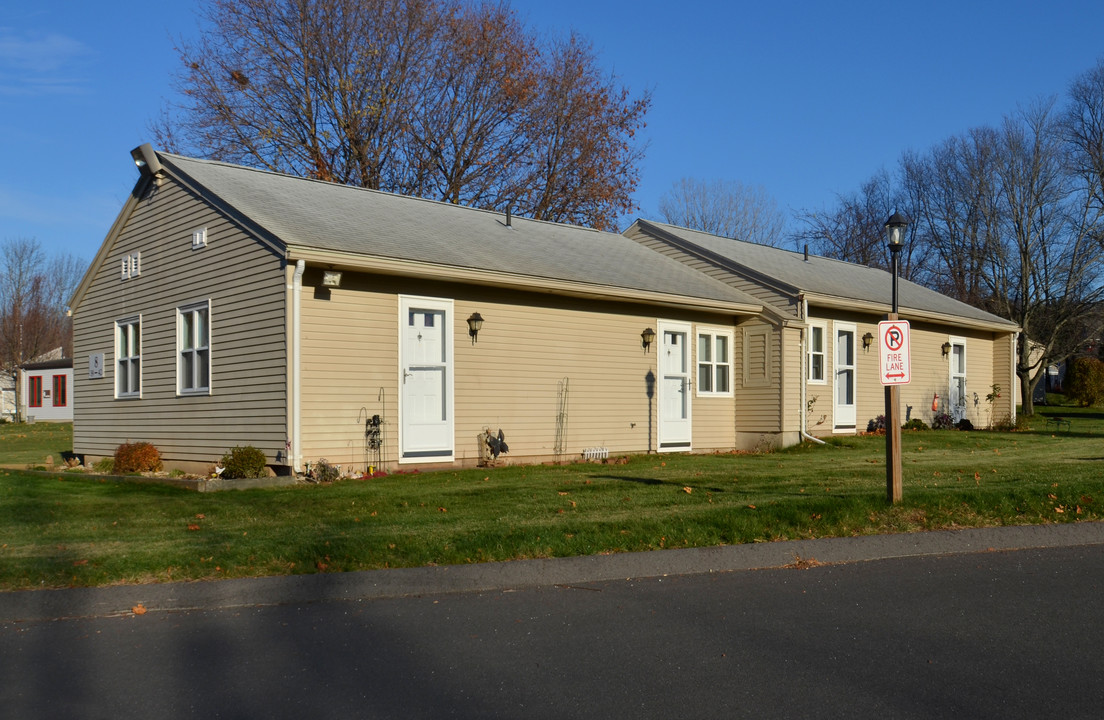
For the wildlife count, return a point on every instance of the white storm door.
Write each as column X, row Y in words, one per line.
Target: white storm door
column 425, row 391
column 958, row 378
column 674, row 386
column 845, row 377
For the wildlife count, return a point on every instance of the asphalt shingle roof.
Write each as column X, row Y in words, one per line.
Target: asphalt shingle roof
column 328, row 216
column 828, row 277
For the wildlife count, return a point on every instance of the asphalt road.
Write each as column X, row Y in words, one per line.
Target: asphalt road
column 933, row 632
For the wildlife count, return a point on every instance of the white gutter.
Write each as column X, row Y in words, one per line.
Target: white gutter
column 296, row 371
column 804, row 380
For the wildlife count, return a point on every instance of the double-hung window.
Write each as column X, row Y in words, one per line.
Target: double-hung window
column 128, row 354
column 816, row 353
column 714, row 362
column 193, row 369
column 34, row 391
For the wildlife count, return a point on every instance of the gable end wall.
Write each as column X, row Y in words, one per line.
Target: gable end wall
column 244, row 282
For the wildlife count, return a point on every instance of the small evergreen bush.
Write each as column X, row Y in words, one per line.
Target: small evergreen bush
column 1084, row 381
column 136, row 458
column 244, row 462
column 965, row 425
column 915, row 424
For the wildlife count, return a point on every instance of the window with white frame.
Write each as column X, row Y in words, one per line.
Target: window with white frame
column 193, row 368
column 817, row 358
column 128, row 358
column 714, row 362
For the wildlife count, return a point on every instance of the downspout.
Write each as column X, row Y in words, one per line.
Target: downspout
column 296, row 367
column 804, row 381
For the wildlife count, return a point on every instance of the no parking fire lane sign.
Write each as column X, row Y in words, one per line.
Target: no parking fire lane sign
column 893, row 349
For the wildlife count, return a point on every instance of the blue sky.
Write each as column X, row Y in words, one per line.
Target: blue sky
column 807, row 99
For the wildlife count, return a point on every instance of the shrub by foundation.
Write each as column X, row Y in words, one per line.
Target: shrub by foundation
column 136, row 457
column 244, row 462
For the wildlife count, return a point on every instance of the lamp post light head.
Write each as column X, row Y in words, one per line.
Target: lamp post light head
column 895, row 231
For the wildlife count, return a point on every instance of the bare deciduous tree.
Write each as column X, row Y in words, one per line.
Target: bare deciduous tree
column 439, row 98
column 724, row 207
column 855, row 229
column 33, row 292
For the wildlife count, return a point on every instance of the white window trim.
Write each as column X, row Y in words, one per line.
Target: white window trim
column 135, row 320
column 713, row 333
column 180, row 312
column 823, row 380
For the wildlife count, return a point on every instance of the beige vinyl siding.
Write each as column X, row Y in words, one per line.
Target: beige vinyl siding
column 758, row 390
column 791, row 364
column 510, row 379
column 244, row 282
column 930, row 372
column 1004, row 374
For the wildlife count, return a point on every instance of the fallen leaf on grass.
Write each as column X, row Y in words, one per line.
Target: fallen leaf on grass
column 752, row 507
column 193, row 526
column 688, row 490
column 200, row 516
column 441, row 509
column 80, row 562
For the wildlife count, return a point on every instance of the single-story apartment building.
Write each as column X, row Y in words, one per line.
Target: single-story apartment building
column 231, row 306
column 819, row 330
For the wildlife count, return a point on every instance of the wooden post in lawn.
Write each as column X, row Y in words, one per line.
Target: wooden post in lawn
column 893, row 438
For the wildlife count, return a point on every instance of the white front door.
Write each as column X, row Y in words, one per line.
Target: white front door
column 425, row 365
column 957, row 396
column 674, row 386
column 845, row 377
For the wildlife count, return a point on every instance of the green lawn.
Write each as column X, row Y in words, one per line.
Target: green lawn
column 62, row 528
column 30, row 443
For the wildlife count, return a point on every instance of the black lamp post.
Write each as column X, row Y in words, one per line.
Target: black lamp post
column 895, row 235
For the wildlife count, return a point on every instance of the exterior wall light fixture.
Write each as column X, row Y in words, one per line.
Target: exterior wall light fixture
column 647, row 338
column 946, row 347
column 867, row 340
column 475, row 324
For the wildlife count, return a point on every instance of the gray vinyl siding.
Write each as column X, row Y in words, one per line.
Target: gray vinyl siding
column 242, row 279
